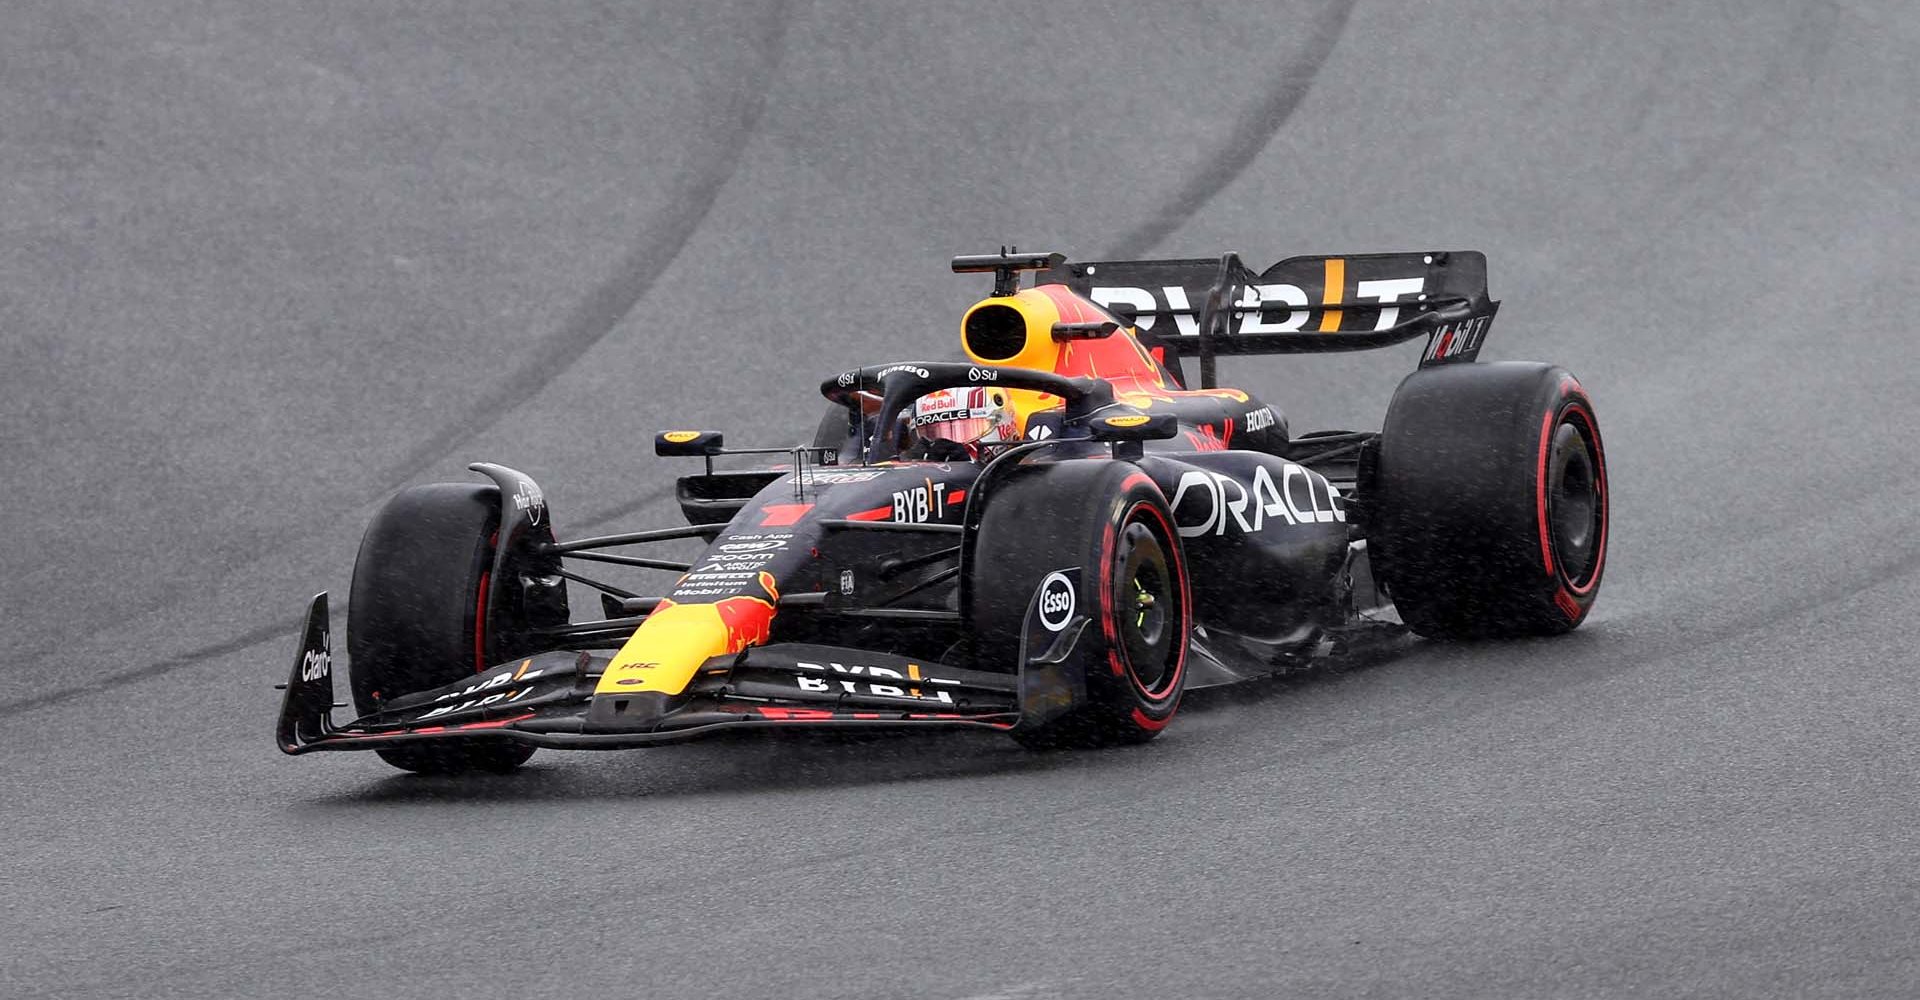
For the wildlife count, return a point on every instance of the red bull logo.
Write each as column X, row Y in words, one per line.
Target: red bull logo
column 748, row 621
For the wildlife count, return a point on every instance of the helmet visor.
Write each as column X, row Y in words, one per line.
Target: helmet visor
column 965, row 430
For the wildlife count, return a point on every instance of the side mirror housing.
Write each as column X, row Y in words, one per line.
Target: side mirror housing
column 1133, row 426
column 684, row 443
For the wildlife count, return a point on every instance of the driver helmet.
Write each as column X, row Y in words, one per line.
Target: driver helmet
column 965, row 416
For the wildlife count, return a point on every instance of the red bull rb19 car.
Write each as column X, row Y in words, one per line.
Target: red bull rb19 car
column 1054, row 538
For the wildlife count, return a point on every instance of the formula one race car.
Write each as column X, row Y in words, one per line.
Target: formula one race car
column 1054, row 538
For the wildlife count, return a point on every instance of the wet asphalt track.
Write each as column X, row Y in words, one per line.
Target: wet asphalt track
column 262, row 263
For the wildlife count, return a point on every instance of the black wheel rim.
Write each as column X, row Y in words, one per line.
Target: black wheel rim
column 1144, row 605
column 1573, row 503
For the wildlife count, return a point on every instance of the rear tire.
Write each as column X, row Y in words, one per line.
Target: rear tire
column 1490, row 501
column 1110, row 519
column 416, row 616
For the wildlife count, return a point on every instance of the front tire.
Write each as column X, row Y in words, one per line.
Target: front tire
column 417, row 618
column 1490, row 489
column 1111, row 521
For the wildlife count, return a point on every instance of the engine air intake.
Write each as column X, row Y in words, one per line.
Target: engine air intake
column 996, row 332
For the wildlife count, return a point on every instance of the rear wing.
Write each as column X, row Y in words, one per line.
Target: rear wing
column 1204, row 307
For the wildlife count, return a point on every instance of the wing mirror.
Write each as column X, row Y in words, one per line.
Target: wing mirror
column 1133, row 426
column 695, row 443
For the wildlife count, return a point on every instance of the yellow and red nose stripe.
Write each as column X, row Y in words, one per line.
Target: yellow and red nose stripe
column 670, row 645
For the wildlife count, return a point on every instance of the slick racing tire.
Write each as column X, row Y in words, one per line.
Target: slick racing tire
column 1490, row 501
column 1101, row 532
column 416, row 616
